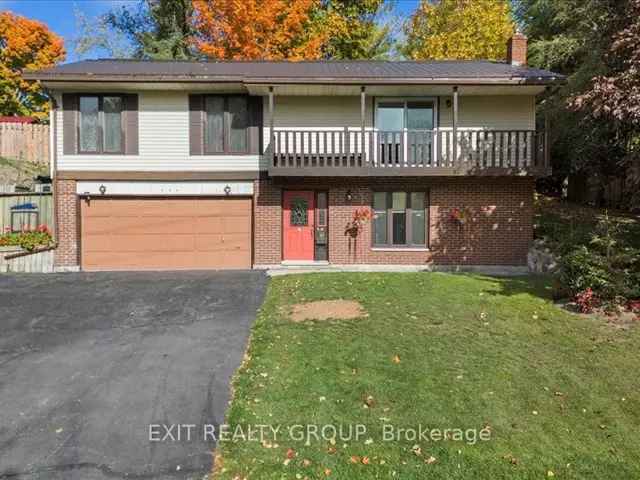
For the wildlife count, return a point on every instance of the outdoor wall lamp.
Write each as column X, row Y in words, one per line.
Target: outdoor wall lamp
column 348, row 196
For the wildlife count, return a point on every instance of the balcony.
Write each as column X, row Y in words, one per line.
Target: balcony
column 357, row 152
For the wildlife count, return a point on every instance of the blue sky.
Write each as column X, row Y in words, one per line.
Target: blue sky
column 59, row 14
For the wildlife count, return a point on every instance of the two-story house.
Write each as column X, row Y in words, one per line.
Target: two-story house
column 207, row 165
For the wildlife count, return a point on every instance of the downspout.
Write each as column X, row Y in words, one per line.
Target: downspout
column 363, row 107
column 53, row 155
column 455, row 124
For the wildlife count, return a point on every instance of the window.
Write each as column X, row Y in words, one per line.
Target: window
column 299, row 212
column 406, row 131
column 399, row 219
column 100, row 124
column 226, row 124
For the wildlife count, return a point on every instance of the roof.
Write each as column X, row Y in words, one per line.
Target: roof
column 339, row 72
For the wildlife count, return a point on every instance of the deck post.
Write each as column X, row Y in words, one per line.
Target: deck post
column 363, row 108
column 455, row 124
column 272, row 134
column 546, row 155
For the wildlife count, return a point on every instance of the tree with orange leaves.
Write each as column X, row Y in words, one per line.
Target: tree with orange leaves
column 258, row 29
column 24, row 45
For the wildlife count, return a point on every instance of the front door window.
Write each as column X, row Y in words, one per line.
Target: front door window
column 299, row 212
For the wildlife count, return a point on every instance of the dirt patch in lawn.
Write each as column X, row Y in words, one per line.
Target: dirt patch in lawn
column 327, row 309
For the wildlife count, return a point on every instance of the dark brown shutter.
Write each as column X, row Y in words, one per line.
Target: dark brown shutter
column 69, row 123
column 255, row 125
column 131, row 124
column 196, row 108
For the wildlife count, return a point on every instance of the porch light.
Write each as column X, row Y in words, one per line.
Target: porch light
column 349, row 196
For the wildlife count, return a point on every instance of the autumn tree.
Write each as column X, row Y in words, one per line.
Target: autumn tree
column 459, row 29
column 573, row 37
column 258, row 29
column 24, row 45
column 616, row 95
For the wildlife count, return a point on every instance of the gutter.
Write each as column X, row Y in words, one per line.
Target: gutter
column 51, row 78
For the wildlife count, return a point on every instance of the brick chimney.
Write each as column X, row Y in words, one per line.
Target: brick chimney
column 517, row 49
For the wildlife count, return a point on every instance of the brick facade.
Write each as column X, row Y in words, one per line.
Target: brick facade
column 267, row 223
column 500, row 232
column 67, row 228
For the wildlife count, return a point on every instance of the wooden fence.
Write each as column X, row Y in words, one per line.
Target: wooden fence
column 44, row 204
column 27, row 142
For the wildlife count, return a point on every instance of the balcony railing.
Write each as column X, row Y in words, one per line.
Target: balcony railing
column 410, row 152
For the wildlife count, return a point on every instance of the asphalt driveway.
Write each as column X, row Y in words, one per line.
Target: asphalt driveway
column 89, row 361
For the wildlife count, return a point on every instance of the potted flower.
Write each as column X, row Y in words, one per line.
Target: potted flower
column 460, row 215
column 360, row 216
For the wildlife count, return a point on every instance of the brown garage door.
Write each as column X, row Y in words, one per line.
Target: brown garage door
column 165, row 233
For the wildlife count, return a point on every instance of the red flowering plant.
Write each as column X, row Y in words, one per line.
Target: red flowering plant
column 587, row 300
column 360, row 216
column 28, row 238
column 460, row 215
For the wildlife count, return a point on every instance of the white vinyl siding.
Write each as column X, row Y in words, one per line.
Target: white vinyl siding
column 163, row 120
column 499, row 112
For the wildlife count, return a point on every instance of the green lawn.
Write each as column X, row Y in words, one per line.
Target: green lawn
column 559, row 392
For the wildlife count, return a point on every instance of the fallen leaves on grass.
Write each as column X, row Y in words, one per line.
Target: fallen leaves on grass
column 395, row 359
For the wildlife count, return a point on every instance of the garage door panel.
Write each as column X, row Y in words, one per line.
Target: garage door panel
column 216, row 243
column 152, row 243
column 221, row 207
column 209, row 224
column 236, row 225
column 96, row 243
column 166, row 233
column 137, row 225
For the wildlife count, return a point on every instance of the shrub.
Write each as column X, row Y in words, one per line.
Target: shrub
column 583, row 268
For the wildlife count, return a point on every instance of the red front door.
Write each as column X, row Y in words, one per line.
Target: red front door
column 298, row 225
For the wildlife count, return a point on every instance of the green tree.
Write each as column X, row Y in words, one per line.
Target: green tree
column 153, row 29
column 357, row 29
column 459, row 29
column 572, row 37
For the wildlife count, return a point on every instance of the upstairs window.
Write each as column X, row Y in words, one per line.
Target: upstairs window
column 100, row 127
column 226, row 124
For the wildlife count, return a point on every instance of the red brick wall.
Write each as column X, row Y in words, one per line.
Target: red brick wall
column 67, row 228
column 517, row 49
column 499, row 233
column 267, row 219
